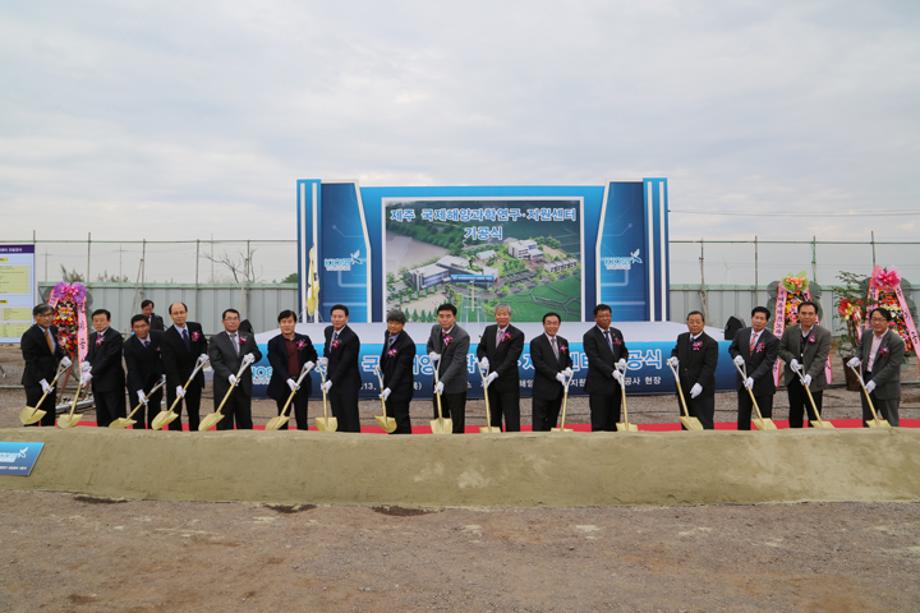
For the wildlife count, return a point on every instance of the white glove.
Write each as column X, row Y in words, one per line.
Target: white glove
column 85, row 378
column 142, row 397
column 749, row 383
column 385, row 393
column 567, row 372
column 560, row 377
column 854, row 362
column 327, row 386
column 806, row 380
column 46, row 387
column 324, row 362
column 309, row 366
column 794, row 365
column 870, row 386
column 434, row 357
column 232, row 379
column 619, row 377
column 439, row 388
column 673, row 362
column 492, row 377
column 65, row 362
column 249, row 358
column 180, row 391
column 484, row 363
column 85, row 367
column 696, row 390
column 203, row 359
column 621, row 364
column 739, row 361
column 293, row 385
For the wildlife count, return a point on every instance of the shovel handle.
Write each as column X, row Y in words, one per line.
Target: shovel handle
column 862, row 384
column 436, row 394
column 742, row 370
column 198, row 366
column 680, row 391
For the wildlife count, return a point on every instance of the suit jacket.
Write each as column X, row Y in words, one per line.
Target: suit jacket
column 105, row 356
column 343, row 359
column 759, row 364
column 816, row 350
column 601, row 360
column 225, row 361
column 145, row 364
column 697, row 365
column 886, row 370
column 41, row 362
column 503, row 357
column 396, row 363
column 546, row 365
column 278, row 358
column 452, row 368
column 179, row 359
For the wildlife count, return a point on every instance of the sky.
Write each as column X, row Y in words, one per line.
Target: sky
column 166, row 120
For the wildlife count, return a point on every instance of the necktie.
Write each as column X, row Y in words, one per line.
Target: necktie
column 498, row 337
column 146, row 342
column 188, row 343
column 753, row 342
column 552, row 342
column 49, row 339
column 236, row 342
column 609, row 342
column 391, row 340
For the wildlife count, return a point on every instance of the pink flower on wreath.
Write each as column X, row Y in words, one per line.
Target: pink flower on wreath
column 761, row 346
column 696, row 346
column 301, row 344
column 391, row 352
column 196, row 336
column 448, row 340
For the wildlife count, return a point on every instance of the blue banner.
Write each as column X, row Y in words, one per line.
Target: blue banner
column 18, row 459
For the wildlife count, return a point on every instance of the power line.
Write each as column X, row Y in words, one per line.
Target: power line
column 879, row 213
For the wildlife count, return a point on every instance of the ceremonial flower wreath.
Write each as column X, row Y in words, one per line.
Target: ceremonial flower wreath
column 787, row 295
column 69, row 303
column 887, row 291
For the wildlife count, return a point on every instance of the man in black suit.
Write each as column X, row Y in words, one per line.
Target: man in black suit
column 42, row 355
column 153, row 320
column 183, row 345
column 607, row 354
column 396, row 361
column 143, row 358
column 448, row 345
column 228, row 351
column 552, row 363
column 499, row 348
column 755, row 348
column 105, row 371
column 343, row 378
column 288, row 353
column 696, row 356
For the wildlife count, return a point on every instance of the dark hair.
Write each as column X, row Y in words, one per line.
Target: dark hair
column 174, row 304
column 108, row 315
column 223, row 315
column 808, row 303
column 41, row 309
column 246, row 326
column 287, row 314
column 339, row 307
column 137, row 318
column 885, row 313
column 602, row 307
column 760, row 309
column 552, row 314
column 700, row 313
column 147, row 303
column 447, row 307
column 397, row 316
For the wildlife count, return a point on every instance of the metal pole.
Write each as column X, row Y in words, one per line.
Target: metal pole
column 814, row 259
column 143, row 262
column 197, row 255
column 756, row 270
column 704, row 301
column 89, row 246
column 872, row 238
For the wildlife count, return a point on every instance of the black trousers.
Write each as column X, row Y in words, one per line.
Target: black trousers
column 33, row 394
column 798, row 403
column 192, row 402
column 507, row 405
column 453, row 406
column 545, row 413
column 605, row 410
column 701, row 407
column 238, row 411
column 299, row 409
column 398, row 409
column 344, row 403
column 109, row 405
column 145, row 415
column 746, row 407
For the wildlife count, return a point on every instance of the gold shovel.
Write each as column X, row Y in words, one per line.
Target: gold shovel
column 166, row 417
column 488, row 428
column 817, row 422
column 124, row 422
column 276, row 423
column 440, row 425
column 212, row 419
column 387, row 423
column 686, row 420
column 325, row 423
column 876, row 421
column 565, row 401
column 625, row 426
column 30, row 415
column 760, row 422
column 70, row 420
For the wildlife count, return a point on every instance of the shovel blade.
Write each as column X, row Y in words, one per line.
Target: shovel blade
column 878, row 423
column 68, row 421
column 387, row 423
column 691, row 423
column 210, row 420
column 30, row 416
column 489, row 430
column 276, row 423
column 327, row 424
column 561, row 430
column 163, row 419
column 824, row 425
column 442, row 426
column 625, row 427
column 764, row 424
column 122, row 422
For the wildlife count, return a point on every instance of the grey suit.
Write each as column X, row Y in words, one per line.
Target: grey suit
column 226, row 361
column 452, row 371
column 811, row 352
column 886, row 373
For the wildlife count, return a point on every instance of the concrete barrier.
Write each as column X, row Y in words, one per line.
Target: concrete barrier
column 526, row 469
